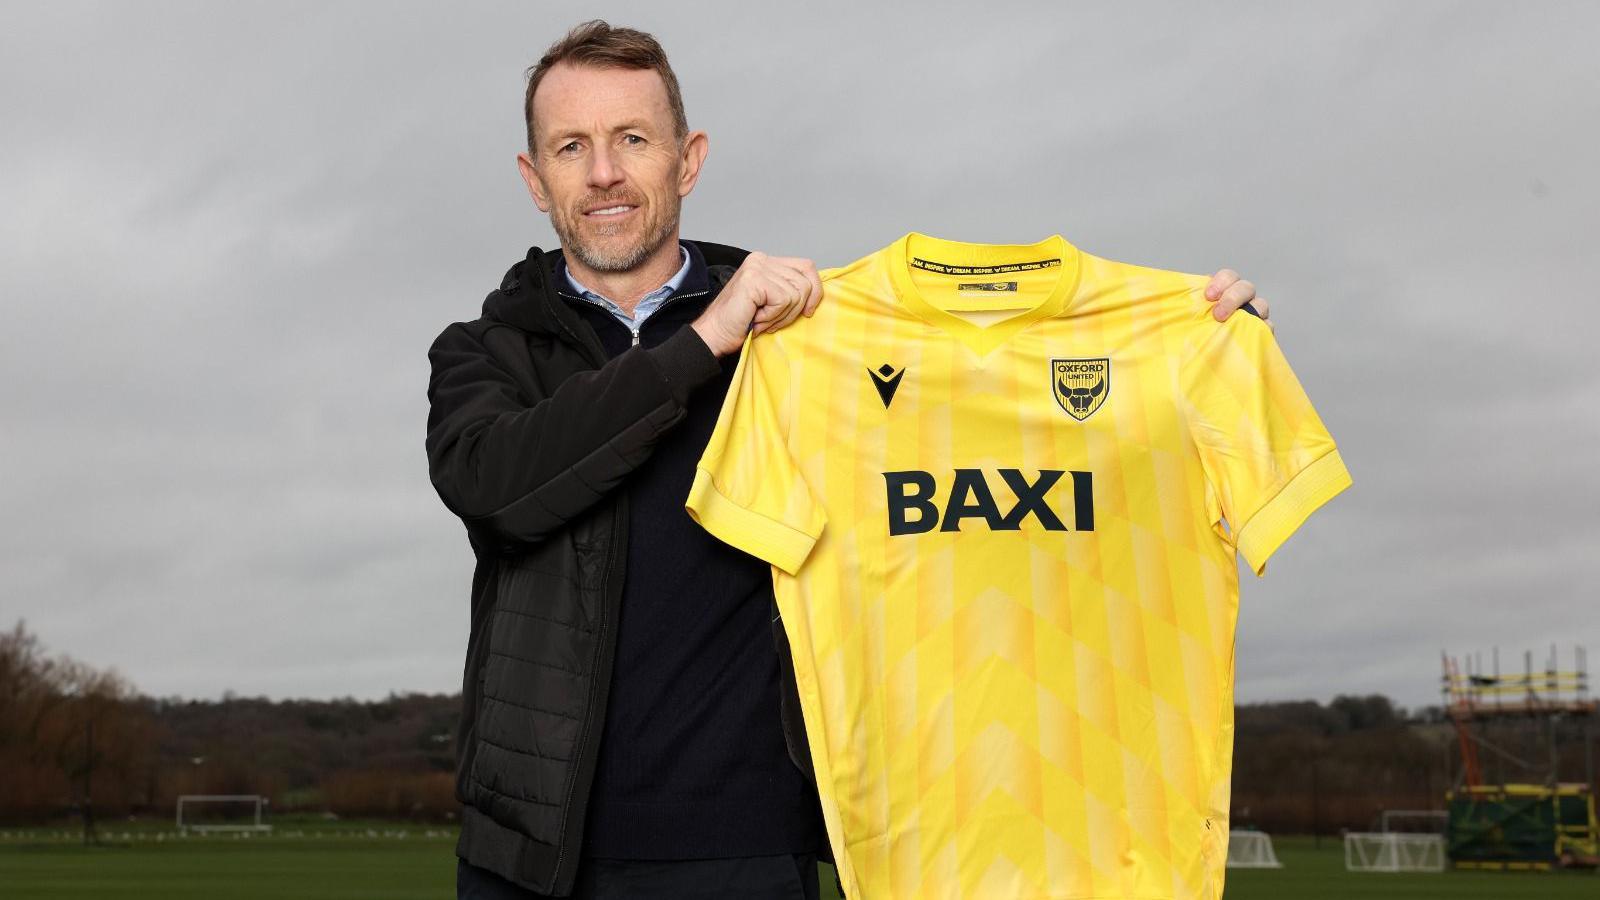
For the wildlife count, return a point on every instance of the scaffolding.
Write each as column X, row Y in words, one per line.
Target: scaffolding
column 1475, row 697
column 1542, row 821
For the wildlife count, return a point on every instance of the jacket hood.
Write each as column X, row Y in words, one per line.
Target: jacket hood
column 527, row 297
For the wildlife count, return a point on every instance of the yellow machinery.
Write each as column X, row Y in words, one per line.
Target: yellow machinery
column 1523, row 826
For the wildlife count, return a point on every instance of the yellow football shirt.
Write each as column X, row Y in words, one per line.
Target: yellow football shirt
column 1002, row 488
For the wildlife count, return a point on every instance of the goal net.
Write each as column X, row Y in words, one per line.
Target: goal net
column 222, row 812
column 1251, row 850
column 1393, row 852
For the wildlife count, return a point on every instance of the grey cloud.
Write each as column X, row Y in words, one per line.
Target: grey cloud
column 231, row 232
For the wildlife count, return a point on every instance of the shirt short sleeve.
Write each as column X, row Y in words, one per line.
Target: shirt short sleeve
column 1268, row 460
column 748, row 489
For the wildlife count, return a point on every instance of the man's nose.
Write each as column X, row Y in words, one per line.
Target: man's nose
column 603, row 169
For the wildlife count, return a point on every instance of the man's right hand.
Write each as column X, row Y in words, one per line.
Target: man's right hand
column 768, row 292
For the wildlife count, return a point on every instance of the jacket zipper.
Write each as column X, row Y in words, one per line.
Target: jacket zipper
column 602, row 648
column 597, row 358
column 602, row 651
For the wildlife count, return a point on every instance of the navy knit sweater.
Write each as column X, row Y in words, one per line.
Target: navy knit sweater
column 692, row 759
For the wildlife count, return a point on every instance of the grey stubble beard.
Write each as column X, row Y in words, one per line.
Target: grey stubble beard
column 625, row 259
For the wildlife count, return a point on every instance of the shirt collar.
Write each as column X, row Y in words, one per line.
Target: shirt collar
column 648, row 304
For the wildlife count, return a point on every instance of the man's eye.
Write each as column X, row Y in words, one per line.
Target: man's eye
column 633, row 139
column 569, row 147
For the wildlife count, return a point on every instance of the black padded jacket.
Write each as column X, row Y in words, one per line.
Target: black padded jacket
column 531, row 428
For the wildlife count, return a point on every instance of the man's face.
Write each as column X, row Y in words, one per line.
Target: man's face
column 607, row 164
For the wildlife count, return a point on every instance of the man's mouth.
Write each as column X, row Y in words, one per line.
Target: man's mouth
column 606, row 211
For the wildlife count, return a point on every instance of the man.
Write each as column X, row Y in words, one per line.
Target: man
column 623, row 732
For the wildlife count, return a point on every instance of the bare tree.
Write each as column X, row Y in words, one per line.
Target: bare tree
column 62, row 724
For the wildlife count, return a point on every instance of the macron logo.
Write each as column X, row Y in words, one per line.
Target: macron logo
column 887, row 380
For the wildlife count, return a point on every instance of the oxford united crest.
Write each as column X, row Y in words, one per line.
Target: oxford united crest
column 1080, row 385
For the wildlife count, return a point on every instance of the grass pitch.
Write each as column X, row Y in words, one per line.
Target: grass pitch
column 395, row 863
column 300, row 858
column 1312, row 874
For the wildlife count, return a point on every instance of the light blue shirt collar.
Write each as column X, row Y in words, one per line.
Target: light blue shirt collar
column 647, row 305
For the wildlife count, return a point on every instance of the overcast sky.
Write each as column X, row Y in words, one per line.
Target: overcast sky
column 229, row 233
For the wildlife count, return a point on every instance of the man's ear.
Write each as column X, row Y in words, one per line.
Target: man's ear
column 530, row 176
column 695, row 147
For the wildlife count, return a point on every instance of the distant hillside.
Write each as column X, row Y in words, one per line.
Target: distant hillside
column 68, row 731
column 392, row 757
column 1298, row 766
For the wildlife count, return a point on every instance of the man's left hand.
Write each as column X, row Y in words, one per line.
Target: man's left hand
column 1230, row 292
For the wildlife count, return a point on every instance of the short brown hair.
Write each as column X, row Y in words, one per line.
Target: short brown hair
column 596, row 43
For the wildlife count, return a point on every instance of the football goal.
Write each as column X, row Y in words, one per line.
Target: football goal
column 1251, row 850
column 1393, row 851
column 221, row 812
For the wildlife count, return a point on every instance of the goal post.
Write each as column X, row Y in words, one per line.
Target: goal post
column 1393, row 851
column 1251, row 850
column 222, row 812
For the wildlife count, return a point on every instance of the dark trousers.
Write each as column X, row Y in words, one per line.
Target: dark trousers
column 782, row 877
